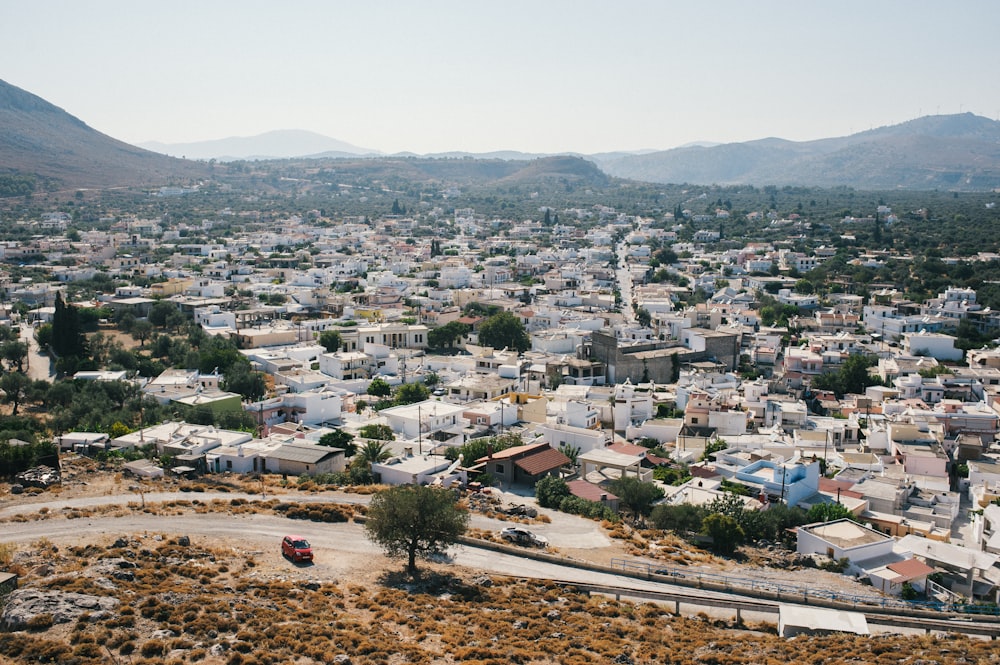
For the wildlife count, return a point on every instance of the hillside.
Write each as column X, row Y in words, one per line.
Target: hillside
column 40, row 140
column 952, row 152
column 400, row 172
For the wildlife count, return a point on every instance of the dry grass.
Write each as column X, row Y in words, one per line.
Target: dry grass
column 226, row 605
column 206, row 605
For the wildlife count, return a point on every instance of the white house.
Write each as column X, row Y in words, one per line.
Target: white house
column 935, row 345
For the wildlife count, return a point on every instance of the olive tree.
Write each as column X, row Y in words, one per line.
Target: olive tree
column 415, row 520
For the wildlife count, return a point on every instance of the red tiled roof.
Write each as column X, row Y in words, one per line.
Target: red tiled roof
column 589, row 491
column 703, row 471
column 628, row 449
column 542, row 461
column 909, row 569
column 515, row 452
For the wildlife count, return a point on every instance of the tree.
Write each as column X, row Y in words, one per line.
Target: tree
column 828, row 512
column 725, row 532
column 504, row 330
column 67, row 334
column 14, row 352
column 635, row 494
column 16, row 387
column 570, row 451
column 379, row 387
column 682, row 518
column 643, row 317
column 141, row 330
column 550, row 491
column 240, row 378
column 372, row 452
column 159, row 312
column 411, row 393
column 330, row 340
column 414, row 520
column 338, row 438
column 379, row 431
column 713, row 447
column 445, row 336
column 475, row 449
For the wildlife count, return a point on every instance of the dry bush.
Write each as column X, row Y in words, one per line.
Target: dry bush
column 40, row 622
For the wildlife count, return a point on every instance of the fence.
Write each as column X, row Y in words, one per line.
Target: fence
column 762, row 587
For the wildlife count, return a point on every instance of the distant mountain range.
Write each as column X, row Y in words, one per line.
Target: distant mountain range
column 949, row 152
column 953, row 152
column 279, row 144
column 41, row 140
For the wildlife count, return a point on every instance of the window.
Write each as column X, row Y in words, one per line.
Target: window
column 229, row 463
column 499, row 468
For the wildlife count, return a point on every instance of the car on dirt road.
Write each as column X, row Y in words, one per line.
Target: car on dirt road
column 520, row 536
column 296, row 548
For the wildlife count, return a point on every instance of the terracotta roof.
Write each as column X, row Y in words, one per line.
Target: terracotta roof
column 830, row 485
column 515, row 452
column 629, row 449
column 589, row 491
column 909, row 569
column 542, row 461
column 703, row 471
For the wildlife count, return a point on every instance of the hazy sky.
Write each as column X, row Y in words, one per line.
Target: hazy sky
column 535, row 75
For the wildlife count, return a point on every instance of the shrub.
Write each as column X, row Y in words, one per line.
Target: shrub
column 585, row 508
column 550, row 491
column 40, row 622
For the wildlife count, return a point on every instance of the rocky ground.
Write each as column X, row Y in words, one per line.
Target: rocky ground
column 149, row 596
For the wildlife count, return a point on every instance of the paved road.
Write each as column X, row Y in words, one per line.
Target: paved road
column 624, row 277
column 564, row 530
column 37, row 366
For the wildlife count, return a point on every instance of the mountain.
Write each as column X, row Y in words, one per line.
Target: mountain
column 951, row 152
column 279, row 144
column 40, row 140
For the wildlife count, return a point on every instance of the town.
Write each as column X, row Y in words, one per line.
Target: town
column 583, row 350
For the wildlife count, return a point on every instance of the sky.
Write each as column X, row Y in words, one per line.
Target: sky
column 542, row 76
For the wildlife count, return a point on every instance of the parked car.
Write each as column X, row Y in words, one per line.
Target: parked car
column 669, row 572
column 296, row 548
column 520, row 536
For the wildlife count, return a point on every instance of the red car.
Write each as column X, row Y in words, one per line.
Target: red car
column 296, row 548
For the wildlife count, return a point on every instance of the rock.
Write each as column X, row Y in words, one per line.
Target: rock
column 184, row 541
column 553, row 614
column 311, row 586
column 162, row 634
column 17, row 488
column 218, row 649
column 342, row 659
column 25, row 604
column 39, row 476
column 43, row 570
column 623, row 659
column 120, row 543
